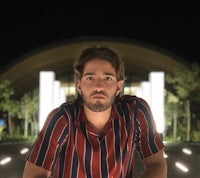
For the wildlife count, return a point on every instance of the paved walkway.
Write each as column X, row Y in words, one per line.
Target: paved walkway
column 183, row 160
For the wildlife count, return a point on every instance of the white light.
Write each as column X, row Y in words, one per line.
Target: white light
column 156, row 80
column 46, row 86
column 137, row 91
column 5, row 160
column 72, row 90
column 132, row 90
column 181, row 166
column 56, row 94
column 24, row 151
column 126, row 90
column 145, row 89
column 165, row 155
column 62, row 95
column 187, row 151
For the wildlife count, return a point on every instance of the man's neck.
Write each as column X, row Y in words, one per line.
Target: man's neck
column 97, row 119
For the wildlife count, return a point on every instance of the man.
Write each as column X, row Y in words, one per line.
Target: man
column 97, row 134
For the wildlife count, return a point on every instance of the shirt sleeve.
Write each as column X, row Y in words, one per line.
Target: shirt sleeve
column 45, row 150
column 148, row 140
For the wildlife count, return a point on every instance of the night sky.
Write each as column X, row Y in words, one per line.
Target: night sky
column 172, row 26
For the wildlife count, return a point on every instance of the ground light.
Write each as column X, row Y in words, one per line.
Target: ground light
column 187, row 151
column 181, row 166
column 24, row 151
column 5, row 160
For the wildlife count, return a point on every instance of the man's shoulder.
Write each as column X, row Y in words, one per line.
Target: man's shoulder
column 71, row 108
column 70, row 105
column 132, row 99
column 128, row 98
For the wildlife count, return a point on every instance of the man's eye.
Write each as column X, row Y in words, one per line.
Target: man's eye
column 89, row 78
column 108, row 78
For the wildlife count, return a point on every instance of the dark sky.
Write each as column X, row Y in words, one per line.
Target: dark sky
column 172, row 26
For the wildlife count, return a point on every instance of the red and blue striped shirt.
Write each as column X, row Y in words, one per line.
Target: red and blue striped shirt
column 69, row 147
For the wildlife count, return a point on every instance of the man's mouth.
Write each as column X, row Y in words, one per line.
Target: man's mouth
column 98, row 96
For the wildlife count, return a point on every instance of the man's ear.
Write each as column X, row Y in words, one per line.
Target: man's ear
column 120, row 85
column 78, row 86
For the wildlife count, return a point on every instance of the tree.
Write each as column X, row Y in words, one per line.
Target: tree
column 186, row 85
column 35, row 110
column 25, row 111
column 28, row 110
column 7, row 104
column 174, row 114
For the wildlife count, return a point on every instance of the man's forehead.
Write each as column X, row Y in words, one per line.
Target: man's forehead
column 101, row 62
column 99, row 68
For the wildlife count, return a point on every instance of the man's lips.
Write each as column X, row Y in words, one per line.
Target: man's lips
column 98, row 96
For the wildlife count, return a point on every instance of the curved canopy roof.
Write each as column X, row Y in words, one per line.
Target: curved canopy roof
column 139, row 60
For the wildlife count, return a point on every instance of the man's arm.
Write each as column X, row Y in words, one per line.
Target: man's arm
column 33, row 171
column 155, row 166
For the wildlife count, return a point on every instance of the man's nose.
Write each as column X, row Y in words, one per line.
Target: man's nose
column 99, row 85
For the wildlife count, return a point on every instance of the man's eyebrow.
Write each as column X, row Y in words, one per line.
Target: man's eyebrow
column 89, row 73
column 93, row 73
column 108, row 73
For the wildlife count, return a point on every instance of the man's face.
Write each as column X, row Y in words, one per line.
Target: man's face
column 98, row 85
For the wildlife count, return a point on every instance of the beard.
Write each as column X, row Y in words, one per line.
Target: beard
column 98, row 106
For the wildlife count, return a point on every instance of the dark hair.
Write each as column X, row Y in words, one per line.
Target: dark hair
column 104, row 53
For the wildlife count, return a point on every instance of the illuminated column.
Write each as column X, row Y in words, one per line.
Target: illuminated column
column 156, row 80
column 46, row 87
column 56, row 94
column 126, row 90
column 62, row 95
column 138, row 91
column 145, row 91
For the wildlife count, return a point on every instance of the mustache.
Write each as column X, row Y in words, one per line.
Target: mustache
column 99, row 92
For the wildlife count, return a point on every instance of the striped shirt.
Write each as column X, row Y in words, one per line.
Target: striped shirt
column 70, row 148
